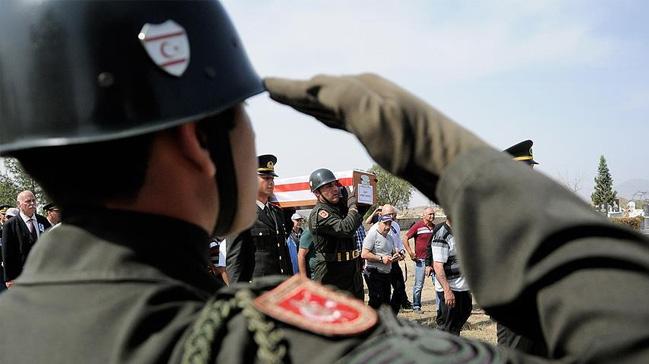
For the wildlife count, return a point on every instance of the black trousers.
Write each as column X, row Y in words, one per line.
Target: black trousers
column 399, row 296
column 344, row 275
column 378, row 285
column 452, row 319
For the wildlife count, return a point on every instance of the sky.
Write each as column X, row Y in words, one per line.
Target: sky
column 571, row 75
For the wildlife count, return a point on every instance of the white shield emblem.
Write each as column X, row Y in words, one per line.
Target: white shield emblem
column 167, row 45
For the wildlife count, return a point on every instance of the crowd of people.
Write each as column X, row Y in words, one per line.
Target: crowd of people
column 336, row 247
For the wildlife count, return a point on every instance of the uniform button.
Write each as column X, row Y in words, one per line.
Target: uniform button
column 278, row 245
column 281, row 270
column 280, row 258
column 259, row 233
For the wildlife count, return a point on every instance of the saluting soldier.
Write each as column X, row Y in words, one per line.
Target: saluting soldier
column 333, row 223
column 261, row 250
column 157, row 95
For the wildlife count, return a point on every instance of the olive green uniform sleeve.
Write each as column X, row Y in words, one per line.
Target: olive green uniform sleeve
column 537, row 258
column 548, row 265
column 335, row 225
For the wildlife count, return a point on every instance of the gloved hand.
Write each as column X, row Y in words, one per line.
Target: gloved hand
column 352, row 200
column 403, row 134
column 363, row 208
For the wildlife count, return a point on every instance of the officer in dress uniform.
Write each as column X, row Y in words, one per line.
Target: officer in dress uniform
column 157, row 95
column 261, row 250
column 523, row 152
column 333, row 223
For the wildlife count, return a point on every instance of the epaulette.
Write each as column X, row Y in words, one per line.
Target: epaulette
column 297, row 302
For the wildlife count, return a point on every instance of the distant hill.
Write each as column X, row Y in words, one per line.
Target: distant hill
column 628, row 188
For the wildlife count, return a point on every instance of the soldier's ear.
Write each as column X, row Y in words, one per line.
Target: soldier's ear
column 193, row 146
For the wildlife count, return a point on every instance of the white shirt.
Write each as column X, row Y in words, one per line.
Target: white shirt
column 441, row 255
column 222, row 253
column 38, row 227
column 380, row 245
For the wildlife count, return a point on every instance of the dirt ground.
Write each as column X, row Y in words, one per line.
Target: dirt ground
column 479, row 326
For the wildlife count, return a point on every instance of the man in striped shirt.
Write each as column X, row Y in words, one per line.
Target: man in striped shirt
column 454, row 301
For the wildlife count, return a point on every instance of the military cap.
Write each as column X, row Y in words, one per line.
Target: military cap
column 3, row 208
column 266, row 165
column 49, row 206
column 522, row 152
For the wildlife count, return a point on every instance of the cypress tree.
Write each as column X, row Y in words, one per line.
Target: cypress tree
column 603, row 194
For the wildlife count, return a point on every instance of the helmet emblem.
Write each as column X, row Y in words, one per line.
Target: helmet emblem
column 167, row 45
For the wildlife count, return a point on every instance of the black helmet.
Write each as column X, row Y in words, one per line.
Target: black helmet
column 84, row 71
column 321, row 177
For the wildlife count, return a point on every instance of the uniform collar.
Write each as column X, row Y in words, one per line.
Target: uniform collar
column 122, row 245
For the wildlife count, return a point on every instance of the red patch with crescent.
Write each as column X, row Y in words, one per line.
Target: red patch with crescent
column 308, row 305
column 323, row 214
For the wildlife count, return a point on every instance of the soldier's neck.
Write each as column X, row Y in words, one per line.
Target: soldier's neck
column 262, row 198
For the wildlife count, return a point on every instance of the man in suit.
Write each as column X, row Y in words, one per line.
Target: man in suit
column 3, row 218
column 19, row 235
column 261, row 250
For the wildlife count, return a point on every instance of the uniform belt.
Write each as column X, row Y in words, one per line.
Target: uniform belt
column 343, row 256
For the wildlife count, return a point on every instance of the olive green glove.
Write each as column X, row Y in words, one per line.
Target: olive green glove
column 403, row 134
column 352, row 200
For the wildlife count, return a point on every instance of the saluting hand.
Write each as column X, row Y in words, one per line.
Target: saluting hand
column 372, row 107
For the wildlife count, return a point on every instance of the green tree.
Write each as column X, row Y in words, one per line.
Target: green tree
column 604, row 193
column 14, row 180
column 391, row 189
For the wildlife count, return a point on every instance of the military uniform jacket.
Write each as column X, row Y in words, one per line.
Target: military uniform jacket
column 332, row 230
column 261, row 250
column 110, row 286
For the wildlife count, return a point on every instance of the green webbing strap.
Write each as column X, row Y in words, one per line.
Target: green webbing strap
column 199, row 344
column 269, row 339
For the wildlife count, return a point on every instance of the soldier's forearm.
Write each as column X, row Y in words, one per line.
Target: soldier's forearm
column 546, row 246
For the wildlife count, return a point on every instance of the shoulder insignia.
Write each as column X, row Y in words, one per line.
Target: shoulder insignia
column 310, row 306
column 323, row 214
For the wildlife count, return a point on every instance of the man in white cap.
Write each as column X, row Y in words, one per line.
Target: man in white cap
column 293, row 240
column 379, row 253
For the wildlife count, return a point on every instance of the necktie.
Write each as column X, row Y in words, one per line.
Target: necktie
column 32, row 229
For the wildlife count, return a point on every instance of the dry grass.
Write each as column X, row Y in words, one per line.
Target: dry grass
column 479, row 326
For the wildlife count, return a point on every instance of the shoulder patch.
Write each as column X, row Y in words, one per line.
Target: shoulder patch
column 310, row 306
column 323, row 214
